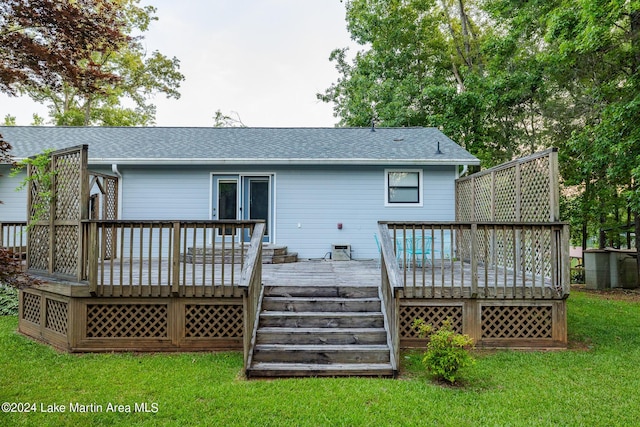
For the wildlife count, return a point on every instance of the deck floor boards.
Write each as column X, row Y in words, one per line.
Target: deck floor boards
column 431, row 281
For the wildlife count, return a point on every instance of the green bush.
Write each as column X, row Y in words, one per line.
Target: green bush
column 8, row 301
column 447, row 350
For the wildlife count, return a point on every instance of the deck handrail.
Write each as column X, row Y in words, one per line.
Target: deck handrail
column 252, row 281
column 144, row 258
column 13, row 236
column 490, row 260
column 391, row 280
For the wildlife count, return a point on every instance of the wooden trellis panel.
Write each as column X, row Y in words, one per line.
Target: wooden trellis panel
column 31, row 308
column 509, row 322
column 524, row 190
column 213, row 321
column 55, row 237
column 491, row 324
column 433, row 315
column 127, row 320
column 56, row 317
column 107, row 199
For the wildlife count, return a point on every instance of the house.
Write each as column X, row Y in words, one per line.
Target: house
column 315, row 187
column 497, row 269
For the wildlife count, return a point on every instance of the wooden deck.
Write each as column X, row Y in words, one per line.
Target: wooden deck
column 441, row 280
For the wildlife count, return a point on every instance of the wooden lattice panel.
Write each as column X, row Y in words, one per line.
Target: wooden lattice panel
column 483, row 200
column 127, row 320
column 68, row 185
column 505, row 195
column 31, row 307
column 57, row 316
column 213, row 321
column 433, row 315
column 66, row 254
column 518, row 191
column 528, row 322
column 110, row 211
column 464, row 208
column 37, row 203
column 535, row 190
column 38, row 247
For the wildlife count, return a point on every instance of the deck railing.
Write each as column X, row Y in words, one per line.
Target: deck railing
column 13, row 236
column 481, row 259
column 391, row 281
column 165, row 258
column 252, row 281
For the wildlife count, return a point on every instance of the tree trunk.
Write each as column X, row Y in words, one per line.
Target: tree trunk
column 87, row 111
column 637, row 229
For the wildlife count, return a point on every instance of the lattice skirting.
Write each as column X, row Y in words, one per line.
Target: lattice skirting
column 44, row 316
column 88, row 324
column 491, row 323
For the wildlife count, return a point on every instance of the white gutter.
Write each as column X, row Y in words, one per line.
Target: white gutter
column 285, row 161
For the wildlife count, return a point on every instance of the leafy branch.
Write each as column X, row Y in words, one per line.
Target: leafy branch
column 41, row 177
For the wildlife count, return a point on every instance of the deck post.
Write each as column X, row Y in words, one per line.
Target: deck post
column 93, row 254
column 474, row 260
column 175, row 259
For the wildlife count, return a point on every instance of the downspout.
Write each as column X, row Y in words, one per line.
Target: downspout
column 465, row 168
column 114, row 169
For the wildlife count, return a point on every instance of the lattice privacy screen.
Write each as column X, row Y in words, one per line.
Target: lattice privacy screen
column 524, row 190
column 54, row 234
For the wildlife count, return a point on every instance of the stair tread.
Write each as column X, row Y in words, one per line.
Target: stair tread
column 318, row 366
column 317, row 330
column 320, row 299
column 322, row 313
column 323, row 347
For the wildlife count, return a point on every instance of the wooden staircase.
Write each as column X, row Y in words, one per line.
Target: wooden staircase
column 321, row 331
column 271, row 254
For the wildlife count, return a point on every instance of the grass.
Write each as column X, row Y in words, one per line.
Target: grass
column 596, row 384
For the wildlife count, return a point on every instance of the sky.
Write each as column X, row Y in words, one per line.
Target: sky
column 264, row 59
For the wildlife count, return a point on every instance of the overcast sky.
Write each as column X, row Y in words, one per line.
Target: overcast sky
column 265, row 59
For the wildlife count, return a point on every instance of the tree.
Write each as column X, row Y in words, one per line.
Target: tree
column 440, row 63
column 117, row 70
column 221, row 120
column 46, row 43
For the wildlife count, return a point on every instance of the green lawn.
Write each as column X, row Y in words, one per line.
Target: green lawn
column 599, row 385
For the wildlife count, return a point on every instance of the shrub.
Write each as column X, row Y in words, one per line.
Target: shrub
column 447, row 350
column 8, row 301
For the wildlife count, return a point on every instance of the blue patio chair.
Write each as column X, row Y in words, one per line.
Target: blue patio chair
column 416, row 252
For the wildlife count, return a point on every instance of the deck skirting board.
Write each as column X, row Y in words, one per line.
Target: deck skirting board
column 89, row 324
column 490, row 323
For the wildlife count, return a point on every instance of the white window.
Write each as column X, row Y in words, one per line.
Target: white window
column 403, row 187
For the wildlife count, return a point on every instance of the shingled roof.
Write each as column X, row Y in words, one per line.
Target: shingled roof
column 180, row 145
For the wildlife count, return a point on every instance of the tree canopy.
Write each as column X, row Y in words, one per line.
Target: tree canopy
column 83, row 58
column 505, row 78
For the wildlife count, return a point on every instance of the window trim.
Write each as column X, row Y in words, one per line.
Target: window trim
column 420, row 201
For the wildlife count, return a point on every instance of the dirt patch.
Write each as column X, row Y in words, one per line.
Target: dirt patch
column 618, row 294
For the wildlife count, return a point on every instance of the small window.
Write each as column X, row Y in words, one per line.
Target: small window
column 403, row 187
